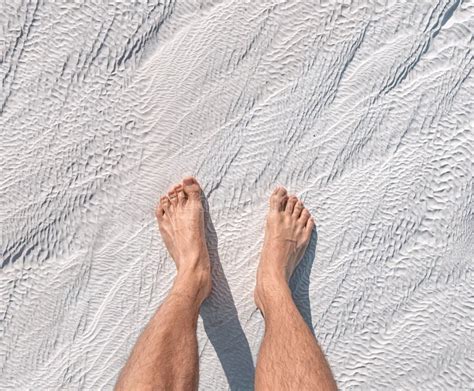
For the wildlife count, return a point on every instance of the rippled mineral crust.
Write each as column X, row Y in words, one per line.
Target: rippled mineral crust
column 362, row 108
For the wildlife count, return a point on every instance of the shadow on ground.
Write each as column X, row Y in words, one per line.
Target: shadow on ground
column 221, row 322
column 299, row 282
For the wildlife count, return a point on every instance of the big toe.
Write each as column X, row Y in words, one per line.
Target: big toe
column 278, row 199
column 191, row 188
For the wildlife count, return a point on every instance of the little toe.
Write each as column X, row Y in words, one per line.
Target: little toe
column 278, row 199
column 309, row 227
column 282, row 191
column 290, row 205
column 298, row 209
column 165, row 204
column 159, row 211
column 191, row 188
column 304, row 216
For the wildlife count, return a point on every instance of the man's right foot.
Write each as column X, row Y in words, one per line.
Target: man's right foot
column 180, row 216
column 287, row 234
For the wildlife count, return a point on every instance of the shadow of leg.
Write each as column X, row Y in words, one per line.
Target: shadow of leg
column 299, row 282
column 221, row 322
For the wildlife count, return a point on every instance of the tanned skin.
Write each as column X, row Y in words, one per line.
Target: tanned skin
column 165, row 357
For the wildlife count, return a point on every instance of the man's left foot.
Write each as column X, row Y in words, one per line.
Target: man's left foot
column 287, row 234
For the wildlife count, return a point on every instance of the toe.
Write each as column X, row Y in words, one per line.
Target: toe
column 309, row 227
column 164, row 204
column 191, row 188
column 181, row 195
column 304, row 216
column 159, row 211
column 173, row 188
column 298, row 209
column 173, row 196
column 282, row 191
column 278, row 199
column 290, row 205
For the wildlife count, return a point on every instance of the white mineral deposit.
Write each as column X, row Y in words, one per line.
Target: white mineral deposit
column 364, row 109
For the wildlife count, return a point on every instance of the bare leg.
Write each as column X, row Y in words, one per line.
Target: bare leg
column 289, row 357
column 165, row 356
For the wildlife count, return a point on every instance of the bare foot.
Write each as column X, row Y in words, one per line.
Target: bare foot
column 180, row 217
column 287, row 233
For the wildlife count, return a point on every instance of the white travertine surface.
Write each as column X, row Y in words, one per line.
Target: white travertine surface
column 362, row 108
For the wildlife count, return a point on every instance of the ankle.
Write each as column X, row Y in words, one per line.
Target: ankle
column 194, row 283
column 187, row 259
column 274, row 267
column 271, row 291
